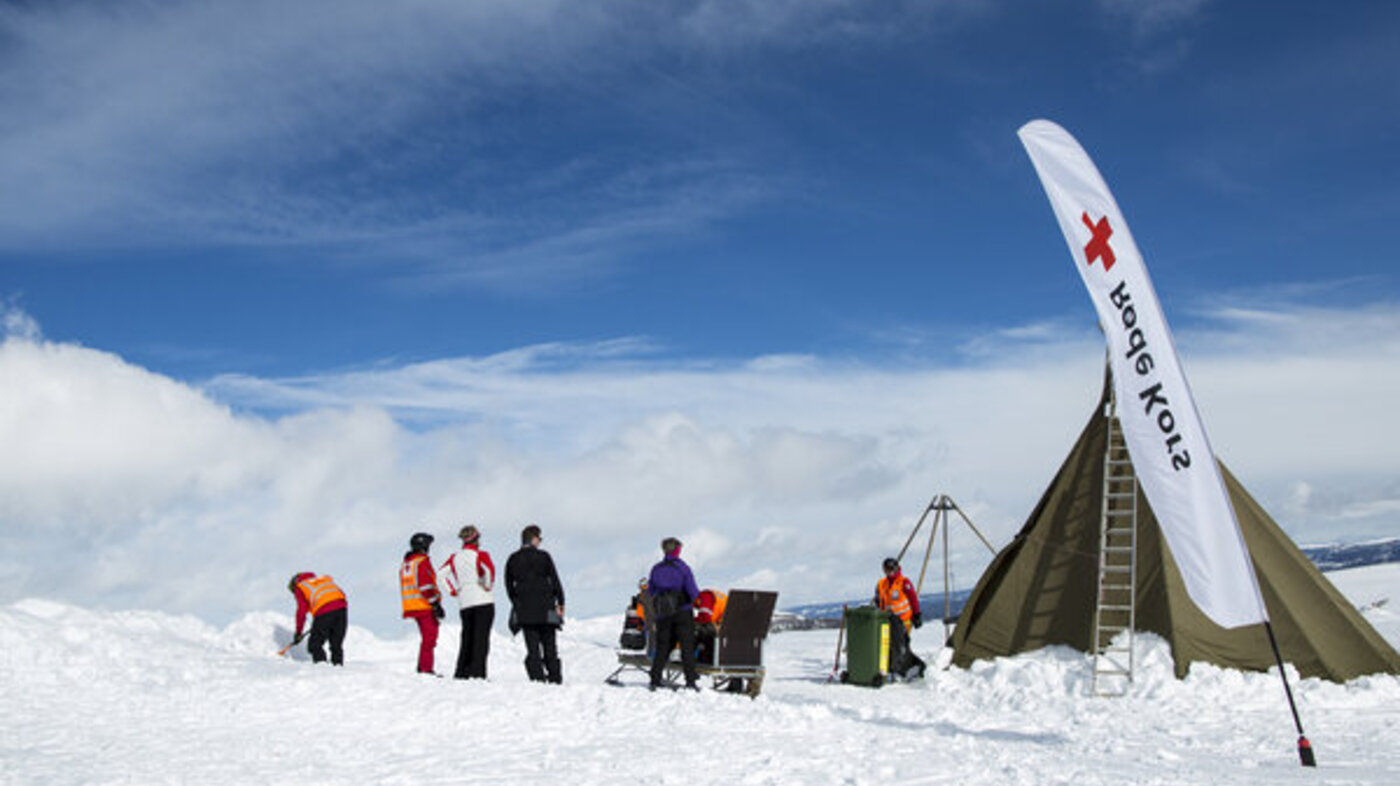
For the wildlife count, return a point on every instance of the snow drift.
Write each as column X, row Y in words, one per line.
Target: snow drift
column 148, row 697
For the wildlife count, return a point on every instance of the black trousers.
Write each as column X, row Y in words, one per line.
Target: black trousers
column 679, row 627
column 476, row 641
column 542, row 654
column 328, row 627
column 903, row 661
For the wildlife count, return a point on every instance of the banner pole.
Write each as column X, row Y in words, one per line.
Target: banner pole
column 1305, row 751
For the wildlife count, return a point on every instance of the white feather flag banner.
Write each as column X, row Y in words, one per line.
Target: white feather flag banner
column 1165, row 436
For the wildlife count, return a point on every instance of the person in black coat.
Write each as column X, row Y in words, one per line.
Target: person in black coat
column 537, row 605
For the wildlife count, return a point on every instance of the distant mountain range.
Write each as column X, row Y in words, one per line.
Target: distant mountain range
column 1353, row 555
column 828, row 615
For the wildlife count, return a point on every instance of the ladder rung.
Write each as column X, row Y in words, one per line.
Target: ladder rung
column 1115, row 568
column 1118, row 549
column 1106, row 607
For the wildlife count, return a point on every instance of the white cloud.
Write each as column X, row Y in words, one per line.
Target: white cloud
column 364, row 129
column 799, row 476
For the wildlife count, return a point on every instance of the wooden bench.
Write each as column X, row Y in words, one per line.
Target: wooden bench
column 736, row 665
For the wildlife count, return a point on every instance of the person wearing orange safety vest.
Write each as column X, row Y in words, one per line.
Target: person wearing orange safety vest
column 325, row 602
column 896, row 594
column 422, row 602
column 709, row 615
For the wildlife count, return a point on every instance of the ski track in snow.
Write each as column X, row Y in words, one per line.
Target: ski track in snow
column 95, row 697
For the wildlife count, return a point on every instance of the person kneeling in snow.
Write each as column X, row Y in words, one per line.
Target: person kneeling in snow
column 320, row 596
column 895, row 593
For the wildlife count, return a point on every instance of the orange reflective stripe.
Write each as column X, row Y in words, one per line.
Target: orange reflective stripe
column 319, row 591
column 413, row 599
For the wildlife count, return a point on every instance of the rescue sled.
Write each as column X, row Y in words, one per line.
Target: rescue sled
column 735, row 664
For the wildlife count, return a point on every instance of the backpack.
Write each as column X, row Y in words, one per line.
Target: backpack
column 668, row 604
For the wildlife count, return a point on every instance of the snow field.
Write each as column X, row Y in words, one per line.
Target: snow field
column 143, row 698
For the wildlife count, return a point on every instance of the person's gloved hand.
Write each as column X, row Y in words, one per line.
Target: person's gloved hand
column 297, row 639
column 918, row 620
column 437, row 610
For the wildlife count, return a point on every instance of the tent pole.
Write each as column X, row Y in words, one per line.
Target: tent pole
column 928, row 550
column 947, row 589
column 973, row 527
column 1305, row 751
column 920, row 523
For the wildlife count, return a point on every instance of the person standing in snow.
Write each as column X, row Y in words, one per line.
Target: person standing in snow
column 896, row 594
column 673, row 591
column 325, row 602
column 421, row 600
column 537, row 605
column 469, row 575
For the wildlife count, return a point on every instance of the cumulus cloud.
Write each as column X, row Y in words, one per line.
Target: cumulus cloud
column 122, row 487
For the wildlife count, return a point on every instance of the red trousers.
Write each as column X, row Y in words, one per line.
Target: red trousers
column 428, row 629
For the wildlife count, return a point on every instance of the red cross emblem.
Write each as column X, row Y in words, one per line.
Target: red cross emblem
column 1097, row 246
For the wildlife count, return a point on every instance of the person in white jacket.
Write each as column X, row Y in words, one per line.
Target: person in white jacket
column 469, row 576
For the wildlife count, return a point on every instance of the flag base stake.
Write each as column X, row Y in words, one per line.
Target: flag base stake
column 1305, row 751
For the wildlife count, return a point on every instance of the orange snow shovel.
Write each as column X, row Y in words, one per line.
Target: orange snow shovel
column 295, row 640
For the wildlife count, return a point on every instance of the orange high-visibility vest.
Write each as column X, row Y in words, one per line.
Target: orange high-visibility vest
column 318, row 591
column 721, row 601
column 413, row 599
column 890, row 592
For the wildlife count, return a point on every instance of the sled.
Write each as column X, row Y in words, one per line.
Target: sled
column 735, row 664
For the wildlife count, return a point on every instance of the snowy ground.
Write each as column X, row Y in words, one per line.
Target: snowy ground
column 145, row 697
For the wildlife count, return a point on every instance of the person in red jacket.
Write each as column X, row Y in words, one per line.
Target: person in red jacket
column 896, row 594
column 325, row 602
column 422, row 602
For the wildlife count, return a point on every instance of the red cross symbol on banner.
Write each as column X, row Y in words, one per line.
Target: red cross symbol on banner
column 1097, row 246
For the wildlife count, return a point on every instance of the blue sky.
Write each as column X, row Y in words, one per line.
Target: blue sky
column 558, row 237
column 725, row 178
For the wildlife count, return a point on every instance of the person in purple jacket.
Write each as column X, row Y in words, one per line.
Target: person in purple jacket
column 673, row 590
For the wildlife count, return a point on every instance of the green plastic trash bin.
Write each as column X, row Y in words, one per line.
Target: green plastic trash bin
column 867, row 646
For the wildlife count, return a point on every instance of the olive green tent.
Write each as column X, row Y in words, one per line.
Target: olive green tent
column 1040, row 589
